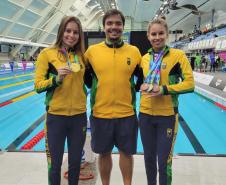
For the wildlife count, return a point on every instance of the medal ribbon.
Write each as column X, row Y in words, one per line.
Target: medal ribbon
column 153, row 76
column 64, row 52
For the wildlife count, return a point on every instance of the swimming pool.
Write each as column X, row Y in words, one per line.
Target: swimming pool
column 201, row 129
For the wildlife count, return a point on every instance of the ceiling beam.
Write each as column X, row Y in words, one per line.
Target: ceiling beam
column 16, row 18
column 44, row 14
column 50, row 26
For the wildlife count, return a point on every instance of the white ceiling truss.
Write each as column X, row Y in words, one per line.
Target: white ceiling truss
column 37, row 21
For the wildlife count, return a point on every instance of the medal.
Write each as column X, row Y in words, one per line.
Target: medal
column 153, row 74
column 144, row 87
column 150, row 88
column 75, row 67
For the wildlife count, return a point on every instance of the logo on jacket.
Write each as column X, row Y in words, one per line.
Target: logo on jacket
column 163, row 65
column 84, row 129
column 169, row 132
column 128, row 61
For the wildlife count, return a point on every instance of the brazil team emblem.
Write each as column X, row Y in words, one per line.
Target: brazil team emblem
column 128, row 61
column 84, row 129
column 169, row 132
column 163, row 65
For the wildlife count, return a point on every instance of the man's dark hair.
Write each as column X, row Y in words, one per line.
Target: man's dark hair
column 113, row 12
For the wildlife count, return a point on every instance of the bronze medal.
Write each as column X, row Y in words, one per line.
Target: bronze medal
column 144, row 87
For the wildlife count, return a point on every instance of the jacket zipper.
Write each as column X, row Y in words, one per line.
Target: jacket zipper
column 114, row 75
column 71, row 93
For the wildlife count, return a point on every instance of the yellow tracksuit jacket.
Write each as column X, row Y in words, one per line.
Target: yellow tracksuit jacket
column 112, row 92
column 175, row 78
column 67, row 98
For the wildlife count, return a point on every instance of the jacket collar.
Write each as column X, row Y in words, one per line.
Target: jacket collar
column 166, row 50
column 118, row 44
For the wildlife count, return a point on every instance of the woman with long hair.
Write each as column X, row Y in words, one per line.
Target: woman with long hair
column 59, row 72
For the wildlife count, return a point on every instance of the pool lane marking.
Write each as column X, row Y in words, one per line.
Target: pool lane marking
column 17, row 76
column 25, row 134
column 211, row 101
column 33, row 141
column 15, row 84
column 25, row 95
column 220, row 105
column 17, row 91
column 222, row 99
column 191, row 136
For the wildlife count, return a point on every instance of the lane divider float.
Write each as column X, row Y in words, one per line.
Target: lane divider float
column 33, row 141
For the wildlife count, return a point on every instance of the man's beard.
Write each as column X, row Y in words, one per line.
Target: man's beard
column 114, row 39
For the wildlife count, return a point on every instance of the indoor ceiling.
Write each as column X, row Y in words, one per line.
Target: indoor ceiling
column 142, row 11
column 37, row 21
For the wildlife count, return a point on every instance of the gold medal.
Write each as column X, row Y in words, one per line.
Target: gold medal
column 75, row 67
column 150, row 88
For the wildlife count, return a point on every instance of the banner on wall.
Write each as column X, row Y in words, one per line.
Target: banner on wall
column 126, row 37
column 222, row 55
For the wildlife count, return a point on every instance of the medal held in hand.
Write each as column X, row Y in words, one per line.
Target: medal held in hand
column 75, row 65
column 153, row 76
column 146, row 87
column 150, row 88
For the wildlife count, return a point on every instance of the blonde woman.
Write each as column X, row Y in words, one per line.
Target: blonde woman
column 167, row 74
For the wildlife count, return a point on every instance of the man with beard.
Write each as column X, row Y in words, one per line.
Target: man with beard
column 113, row 65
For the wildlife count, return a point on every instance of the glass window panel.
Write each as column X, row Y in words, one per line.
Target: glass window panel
column 3, row 25
column 28, row 18
column 19, row 31
column 7, row 9
column 38, row 5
